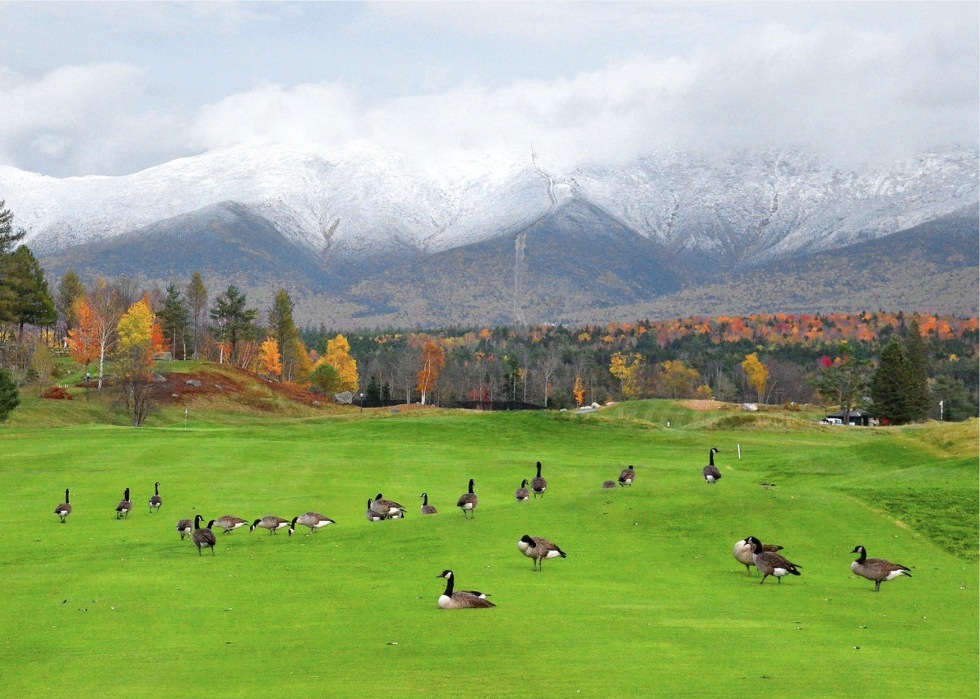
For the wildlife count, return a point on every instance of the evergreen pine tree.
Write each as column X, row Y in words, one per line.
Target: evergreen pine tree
column 197, row 303
column 9, row 398
column 917, row 360
column 889, row 386
column 70, row 289
column 33, row 305
column 233, row 320
column 8, row 288
column 283, row 329
column 173, row 322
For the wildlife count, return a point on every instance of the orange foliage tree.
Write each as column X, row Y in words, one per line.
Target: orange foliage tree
column 83, row 339
column 433, row 362
column 269, row 361
column 629, row 370
column 579, row 391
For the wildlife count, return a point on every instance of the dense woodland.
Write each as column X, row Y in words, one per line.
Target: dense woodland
column 115, row 329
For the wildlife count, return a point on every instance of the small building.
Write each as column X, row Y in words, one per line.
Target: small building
column 855, row 417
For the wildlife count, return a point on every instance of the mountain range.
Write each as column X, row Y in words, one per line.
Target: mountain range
column 364, row 237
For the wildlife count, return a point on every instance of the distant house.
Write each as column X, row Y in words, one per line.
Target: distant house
column 856, row 417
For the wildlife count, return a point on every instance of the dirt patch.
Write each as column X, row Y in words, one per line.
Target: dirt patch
column 235, row 385
column 704, row 406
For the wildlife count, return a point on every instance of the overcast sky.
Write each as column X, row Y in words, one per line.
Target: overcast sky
column 112, row 88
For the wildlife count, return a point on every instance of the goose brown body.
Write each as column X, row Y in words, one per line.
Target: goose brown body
column 522, row 494
column 427, row 509
column 468, row 501
column 203, row 536
column 877, row 569
column 461, row 599
column 742, row 551
column 125, row 506
column 626, row 476
column 313, row 520
column 538, row 549
column 270, row 522
column 770, row 563
column 711, row 472
column 185, row 527
column 230, row 524
column 156, row 502
column 538, row 484
column 64, row 509
column 389, row 508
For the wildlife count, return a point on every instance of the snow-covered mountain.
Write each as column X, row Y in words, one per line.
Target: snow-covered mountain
column 743, row 209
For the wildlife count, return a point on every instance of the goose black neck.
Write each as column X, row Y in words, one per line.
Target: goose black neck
column 864, row 555
column 156, row 489
column 471, row 486
column 66, row 496
column 449, row 586
column 711, row 457
column 539, row 469
column 425, row 499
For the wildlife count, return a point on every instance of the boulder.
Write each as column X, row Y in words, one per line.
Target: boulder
column 346, row 397
column 194, row 383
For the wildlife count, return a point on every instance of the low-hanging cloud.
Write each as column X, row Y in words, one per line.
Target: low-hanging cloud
column 846, row 92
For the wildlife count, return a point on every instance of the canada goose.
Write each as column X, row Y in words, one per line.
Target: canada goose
column 185, row 527
column 743, row 553
column 608, row 485
column 155, row 500
column 770, row 563
column 538, row 549
column 627, row 475
column 461, row 599
column 711, row 472
column 388, row 508
column 203, row 537
column 538, row 484
column 230, row 524
column 270, row 522
column 124, row 506
column 522, row 494
column 468, row 501
column 313, row 520
column 877, row 569
column 427, row 509
column 64, row 509
column 372, row 514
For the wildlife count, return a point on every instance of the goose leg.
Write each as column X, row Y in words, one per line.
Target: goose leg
column 877, row 585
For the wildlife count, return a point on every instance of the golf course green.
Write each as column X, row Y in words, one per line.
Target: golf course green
column 649, row 601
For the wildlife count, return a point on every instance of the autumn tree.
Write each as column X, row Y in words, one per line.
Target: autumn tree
column 433, row 362
column 83, row 340
column 41, row 363
column 338, row 356
column 674, row 379
column 628, row 368
column 269, row 362
column 138, row 342
column 579, row 391
column 756, row 374
column 104, row 310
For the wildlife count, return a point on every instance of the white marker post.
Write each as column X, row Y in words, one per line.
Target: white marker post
column 739, row 447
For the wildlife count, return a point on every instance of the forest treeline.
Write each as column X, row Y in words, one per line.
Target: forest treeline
column 835, row 359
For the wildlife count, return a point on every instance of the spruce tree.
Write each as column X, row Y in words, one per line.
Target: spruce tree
column 283, row 329
column 233, row 321
column 33, row 305
column 917, row 359
column 889, row 386
column 70, row 289
column 173, row 322
column 197, row 304
column 9, row 398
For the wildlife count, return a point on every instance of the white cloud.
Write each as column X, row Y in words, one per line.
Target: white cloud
column 857, row 89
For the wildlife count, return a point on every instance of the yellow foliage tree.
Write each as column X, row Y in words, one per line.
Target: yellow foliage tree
column 433, row 362
column 757, row 374
column 675, row 379
column 579, row 391
column 338, row 356
column 629, row 370
column 269, row 361
column 136, row 335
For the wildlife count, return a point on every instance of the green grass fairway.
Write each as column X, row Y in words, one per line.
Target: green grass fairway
column 648, row 603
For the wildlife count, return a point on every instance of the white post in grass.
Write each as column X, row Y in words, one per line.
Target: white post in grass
column 739, row 446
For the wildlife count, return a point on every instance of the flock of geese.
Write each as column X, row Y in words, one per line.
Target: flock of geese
column 749, row 551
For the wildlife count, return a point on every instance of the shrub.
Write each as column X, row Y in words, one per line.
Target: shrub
column 57, row 393
column 9, row 398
